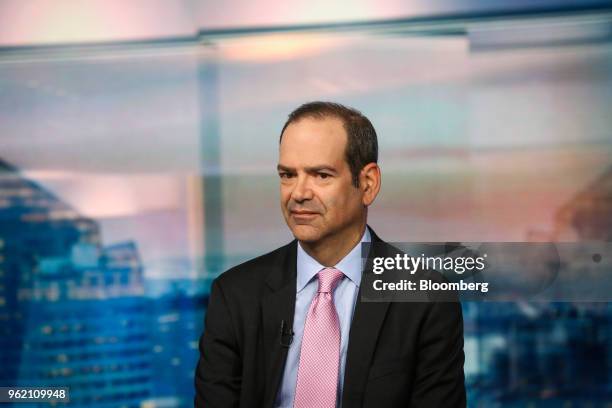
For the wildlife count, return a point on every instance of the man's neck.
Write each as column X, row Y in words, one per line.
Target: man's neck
column 333, row 249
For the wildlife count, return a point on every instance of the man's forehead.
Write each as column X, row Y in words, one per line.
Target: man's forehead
column 325, row 132
column 314, row 144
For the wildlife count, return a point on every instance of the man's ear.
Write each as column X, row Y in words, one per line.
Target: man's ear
column 369, row 182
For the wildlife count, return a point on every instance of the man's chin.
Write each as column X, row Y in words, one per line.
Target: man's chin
column 305, row 233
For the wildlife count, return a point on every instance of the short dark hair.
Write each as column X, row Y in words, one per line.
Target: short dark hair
column 361, row 144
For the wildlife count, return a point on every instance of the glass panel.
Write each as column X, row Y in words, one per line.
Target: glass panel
column 100, row 222
column 133, row 175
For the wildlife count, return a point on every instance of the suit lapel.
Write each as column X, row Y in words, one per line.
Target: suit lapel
column 278, row 305
column 367, row 322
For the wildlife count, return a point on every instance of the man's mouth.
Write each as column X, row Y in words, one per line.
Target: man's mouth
column 303, row 215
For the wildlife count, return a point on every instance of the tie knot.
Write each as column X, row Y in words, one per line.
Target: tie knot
column 328, row 279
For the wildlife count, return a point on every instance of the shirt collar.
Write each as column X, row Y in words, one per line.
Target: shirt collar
column 350, row 265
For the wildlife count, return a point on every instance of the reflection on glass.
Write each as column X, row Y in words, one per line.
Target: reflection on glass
column 137, row 176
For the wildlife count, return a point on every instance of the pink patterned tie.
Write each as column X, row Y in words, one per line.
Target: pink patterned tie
column 317, row 380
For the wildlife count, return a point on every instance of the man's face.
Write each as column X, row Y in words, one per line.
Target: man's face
column 318, row 197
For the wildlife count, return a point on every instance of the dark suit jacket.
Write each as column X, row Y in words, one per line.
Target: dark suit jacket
column 400, row 354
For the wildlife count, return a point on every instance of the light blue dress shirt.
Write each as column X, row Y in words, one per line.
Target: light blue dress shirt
column 345, row 298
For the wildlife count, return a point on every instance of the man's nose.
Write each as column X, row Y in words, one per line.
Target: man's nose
column 302, row 190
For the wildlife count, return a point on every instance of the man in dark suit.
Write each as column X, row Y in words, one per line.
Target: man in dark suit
column 288, row 329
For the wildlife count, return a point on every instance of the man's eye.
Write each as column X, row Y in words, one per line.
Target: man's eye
column 285, row 175
column 323, row 175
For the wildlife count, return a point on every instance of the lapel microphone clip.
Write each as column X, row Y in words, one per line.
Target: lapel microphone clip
column 286, row 334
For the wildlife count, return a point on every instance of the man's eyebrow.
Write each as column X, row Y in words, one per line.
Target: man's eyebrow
column 316, row 169
column 280, row 167
column 312, row 169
